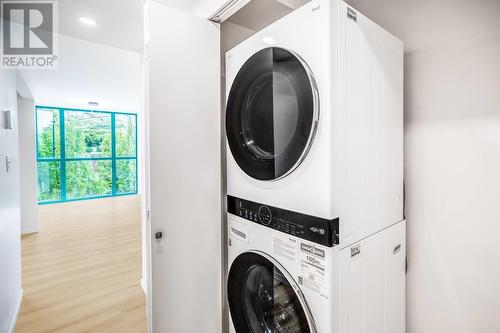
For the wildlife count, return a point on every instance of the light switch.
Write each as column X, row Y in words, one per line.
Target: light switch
column 7, row 120
column 8, row 163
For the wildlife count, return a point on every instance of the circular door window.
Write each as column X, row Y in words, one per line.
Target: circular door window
column 272, row 114
column 262, row 298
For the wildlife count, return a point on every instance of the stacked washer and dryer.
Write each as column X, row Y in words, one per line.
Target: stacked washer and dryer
column 314, row 124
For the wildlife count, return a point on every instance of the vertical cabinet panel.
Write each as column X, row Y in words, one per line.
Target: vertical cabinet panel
column 373, row 111
column 372, row 279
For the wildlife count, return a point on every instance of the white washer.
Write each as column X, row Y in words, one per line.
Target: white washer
column 285, row 284
column 314, row 118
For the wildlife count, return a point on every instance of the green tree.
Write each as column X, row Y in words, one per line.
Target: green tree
column 87, row 135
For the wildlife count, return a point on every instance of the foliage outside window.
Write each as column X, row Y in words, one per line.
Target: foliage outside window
column 85, row 154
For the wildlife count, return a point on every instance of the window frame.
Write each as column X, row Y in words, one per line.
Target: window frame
column 63, row 160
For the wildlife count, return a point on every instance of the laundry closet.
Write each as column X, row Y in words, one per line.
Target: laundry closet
column 256, row 198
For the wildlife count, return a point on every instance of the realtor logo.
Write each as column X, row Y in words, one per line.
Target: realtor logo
column 28, row 32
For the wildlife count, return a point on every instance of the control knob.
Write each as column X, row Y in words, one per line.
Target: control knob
column 265, row 215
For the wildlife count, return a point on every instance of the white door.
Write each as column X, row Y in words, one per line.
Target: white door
column 183, row 83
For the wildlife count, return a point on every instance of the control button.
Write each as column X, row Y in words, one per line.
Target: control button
column 265, row 215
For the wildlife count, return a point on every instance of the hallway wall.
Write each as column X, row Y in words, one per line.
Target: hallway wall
column 10, row 248
column 27, row 165
column 452, row 173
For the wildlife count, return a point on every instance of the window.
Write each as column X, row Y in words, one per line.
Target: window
column 85, row 154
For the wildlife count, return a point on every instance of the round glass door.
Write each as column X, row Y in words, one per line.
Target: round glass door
column 262, row 298
column 272, row 114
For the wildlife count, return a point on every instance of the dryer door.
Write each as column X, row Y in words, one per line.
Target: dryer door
column 264, row 298
column 272, row 114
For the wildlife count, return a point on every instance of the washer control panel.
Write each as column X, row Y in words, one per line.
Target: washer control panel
column 312, row 228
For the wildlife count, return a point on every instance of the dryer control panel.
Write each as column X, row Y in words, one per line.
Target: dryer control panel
column 311, row 228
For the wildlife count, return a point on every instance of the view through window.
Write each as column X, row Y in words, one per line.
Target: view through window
column 85, row 154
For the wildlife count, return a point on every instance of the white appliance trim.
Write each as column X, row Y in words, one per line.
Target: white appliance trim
column 227, row 10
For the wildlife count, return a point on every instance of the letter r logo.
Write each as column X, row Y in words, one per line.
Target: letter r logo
column 27, row 28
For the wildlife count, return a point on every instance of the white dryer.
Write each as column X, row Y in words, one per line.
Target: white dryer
column 284, row 279
column 314, row 118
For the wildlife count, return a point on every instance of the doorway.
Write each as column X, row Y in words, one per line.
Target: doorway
column 81, row 161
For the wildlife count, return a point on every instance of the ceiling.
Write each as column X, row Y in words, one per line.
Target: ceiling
column 186, row 5
column 120, row 22
column 96, row 63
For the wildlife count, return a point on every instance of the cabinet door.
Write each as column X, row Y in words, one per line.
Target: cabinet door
column 372, row 279
column 183, row 84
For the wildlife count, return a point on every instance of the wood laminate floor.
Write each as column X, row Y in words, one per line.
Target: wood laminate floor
column 82, row 271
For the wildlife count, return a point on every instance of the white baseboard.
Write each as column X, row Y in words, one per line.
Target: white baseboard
column 28, row 231
column 144, row 287
column 12, row 325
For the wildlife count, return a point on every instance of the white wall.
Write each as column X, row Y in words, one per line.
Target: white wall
column 89, row 72
column 10, row 248
column 141, row 155
column 231, row 35
column 27, row 165
column 453, row 173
